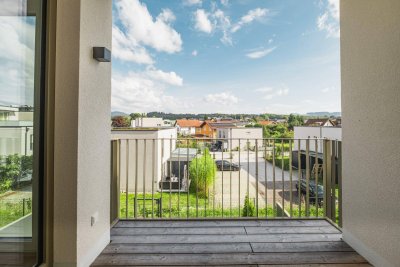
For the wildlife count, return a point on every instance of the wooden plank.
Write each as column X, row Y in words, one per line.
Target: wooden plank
column 179, row 231
column 162, row 239
column 178, row 248
column 319, row 265
column 292, row 230
column 301, row 247
column 222, row 223
column 227, row 259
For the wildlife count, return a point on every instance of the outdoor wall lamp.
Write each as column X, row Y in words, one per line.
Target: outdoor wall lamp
column 101, row 54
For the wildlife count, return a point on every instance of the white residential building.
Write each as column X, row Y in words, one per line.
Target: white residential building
column 147, row 122
column 16, row 131
column 248, row 137
column 313, row 132
column 149, row 151
column 188, row 127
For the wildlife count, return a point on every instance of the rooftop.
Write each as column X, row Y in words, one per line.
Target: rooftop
column 189, row 123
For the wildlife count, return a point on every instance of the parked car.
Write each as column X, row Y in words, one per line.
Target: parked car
column 216, row 147
column 227, row 166
column 312, row 190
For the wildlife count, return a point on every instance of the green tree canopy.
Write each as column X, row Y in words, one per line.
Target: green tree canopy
column 121, row 121
column 202, row 171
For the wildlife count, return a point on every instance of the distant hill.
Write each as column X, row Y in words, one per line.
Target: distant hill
column 324, row 114
column 118, row 113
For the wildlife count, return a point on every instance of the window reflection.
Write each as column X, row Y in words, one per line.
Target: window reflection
column 18, row 86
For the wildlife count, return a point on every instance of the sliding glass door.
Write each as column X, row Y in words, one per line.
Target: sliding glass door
column 21, row 97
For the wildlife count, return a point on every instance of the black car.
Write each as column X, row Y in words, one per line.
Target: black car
column 216, row 147
column 312, row 190
column 226, row 166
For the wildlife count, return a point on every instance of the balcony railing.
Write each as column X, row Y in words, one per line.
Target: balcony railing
column 184, row 178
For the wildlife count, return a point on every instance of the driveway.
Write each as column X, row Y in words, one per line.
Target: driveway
column 232, row 187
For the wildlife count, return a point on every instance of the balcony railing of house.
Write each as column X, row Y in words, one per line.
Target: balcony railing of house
column 204, row 178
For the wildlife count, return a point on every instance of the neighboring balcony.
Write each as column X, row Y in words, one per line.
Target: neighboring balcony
column 226, row 202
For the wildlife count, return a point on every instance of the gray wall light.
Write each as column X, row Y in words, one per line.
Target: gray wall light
column 101, row 54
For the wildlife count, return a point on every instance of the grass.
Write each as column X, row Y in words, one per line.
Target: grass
column 301, row 212
column 172, row 208
column 11, row 211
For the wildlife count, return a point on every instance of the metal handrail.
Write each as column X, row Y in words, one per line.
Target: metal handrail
column 140, row 167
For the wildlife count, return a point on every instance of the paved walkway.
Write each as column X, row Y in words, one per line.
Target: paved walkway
column 232, row 187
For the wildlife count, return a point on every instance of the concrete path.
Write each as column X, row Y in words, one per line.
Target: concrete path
column 232, row 187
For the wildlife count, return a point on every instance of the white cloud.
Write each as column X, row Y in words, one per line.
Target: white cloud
column 223, row 23
column 260, row 53
column 217, row 20
column 145, row 91
column 270, row 41
column 194, row 53
column 167, row 16
column 329, row 20
column 224, row 98
column 327, row 89
column 170, row 78
column 269, row 92
column 17, row 60
column 128, row 50
column 192, row 2
column 202, row 22
column 225, row 2
column 13, row 8
column 141, row 29
column 254, row 14
column 264, row 89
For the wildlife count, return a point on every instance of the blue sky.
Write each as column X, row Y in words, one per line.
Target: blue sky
column 233, row 56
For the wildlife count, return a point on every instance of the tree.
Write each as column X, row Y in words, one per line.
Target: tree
column 121, row 121
column 134, row 116
column 295, row 120
column 11, row 168
column 202, row 171
column 248, row 208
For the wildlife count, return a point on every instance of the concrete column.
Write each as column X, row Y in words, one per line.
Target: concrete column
column 81, row 132
column 370, row 52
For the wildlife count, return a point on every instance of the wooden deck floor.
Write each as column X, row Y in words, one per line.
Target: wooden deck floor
column 227, row 243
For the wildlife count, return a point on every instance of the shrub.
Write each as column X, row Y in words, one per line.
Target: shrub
column 248, row 209
column 278, row 162
column 202, row 172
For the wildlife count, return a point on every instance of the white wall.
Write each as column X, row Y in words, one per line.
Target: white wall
column 146, row 163
column 147, row 122
column 82, row 132
column 15, row 140
column 370, row 56
column 187, row 130
column 313, row 132
column 241, row 133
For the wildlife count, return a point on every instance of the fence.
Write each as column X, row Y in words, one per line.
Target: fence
column 188, row 178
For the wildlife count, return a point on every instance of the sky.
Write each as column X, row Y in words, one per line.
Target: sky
column 228, row 56
column 203, row 56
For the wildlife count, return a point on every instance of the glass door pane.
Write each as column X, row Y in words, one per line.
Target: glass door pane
column 20, row 91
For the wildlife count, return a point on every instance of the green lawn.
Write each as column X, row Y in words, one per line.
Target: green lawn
column 13, row 210
column 301, row 212
column 172, row 208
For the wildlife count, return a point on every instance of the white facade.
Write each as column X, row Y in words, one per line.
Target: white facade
column 16, row 132
column 187, row 130
column 315, row 132
column 147, row 122
column 248, row 137
column 148, row 151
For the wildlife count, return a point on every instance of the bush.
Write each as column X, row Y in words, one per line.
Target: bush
column 11, row 168
column 248, row 209
column 202, row 171
column 278, row 162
